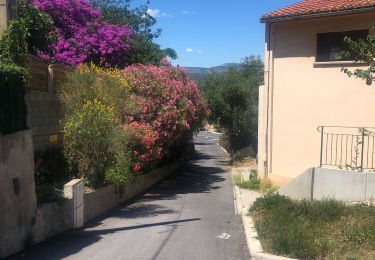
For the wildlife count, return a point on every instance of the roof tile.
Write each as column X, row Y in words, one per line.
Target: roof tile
column 308, row 7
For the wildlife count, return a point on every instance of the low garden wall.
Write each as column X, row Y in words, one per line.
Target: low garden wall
column 320, row 183
column 101, row 200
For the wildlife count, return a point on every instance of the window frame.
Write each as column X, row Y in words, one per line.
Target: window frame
column 319, row 57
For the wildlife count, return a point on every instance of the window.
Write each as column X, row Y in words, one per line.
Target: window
column 330, row 45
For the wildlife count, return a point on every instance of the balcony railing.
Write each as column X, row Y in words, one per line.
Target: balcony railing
column 350, row 148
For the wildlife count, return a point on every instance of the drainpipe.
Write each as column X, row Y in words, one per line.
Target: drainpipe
column 266, row 162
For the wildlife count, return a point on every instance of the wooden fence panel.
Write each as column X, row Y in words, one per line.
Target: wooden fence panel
column 38, row 75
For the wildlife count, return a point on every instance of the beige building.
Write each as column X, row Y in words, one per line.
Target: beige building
column 305, row 89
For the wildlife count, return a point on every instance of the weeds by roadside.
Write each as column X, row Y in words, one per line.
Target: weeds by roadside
column 255, row 183
column 314, row 229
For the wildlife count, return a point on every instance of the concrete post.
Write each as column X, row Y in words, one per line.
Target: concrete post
column 74, row 190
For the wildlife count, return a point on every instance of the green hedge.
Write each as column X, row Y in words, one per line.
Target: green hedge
column 12, row 99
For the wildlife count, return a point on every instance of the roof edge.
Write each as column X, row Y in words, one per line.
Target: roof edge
column 317, row 15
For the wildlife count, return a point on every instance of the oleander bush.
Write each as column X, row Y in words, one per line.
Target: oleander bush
column 120, row 123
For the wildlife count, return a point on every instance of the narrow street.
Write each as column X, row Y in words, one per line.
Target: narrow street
column 189, row 216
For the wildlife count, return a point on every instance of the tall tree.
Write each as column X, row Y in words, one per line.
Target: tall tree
column 144, row 50
column 233, row 100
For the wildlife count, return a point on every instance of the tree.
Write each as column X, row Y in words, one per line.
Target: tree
column 233, row 100
column 361, row 50
column 144, row 50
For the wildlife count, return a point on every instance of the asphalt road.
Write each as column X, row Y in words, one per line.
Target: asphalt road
column 189, row 216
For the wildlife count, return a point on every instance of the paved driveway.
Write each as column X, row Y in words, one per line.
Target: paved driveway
column 188, row 216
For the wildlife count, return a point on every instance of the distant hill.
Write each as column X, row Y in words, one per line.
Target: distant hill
column 198, row 73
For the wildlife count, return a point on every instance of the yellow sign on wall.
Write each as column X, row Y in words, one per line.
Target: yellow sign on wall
column 53, row 139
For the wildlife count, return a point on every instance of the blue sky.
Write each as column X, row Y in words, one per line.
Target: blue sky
column 207, row 33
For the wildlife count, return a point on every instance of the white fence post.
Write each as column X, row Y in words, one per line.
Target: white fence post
column 74, row 190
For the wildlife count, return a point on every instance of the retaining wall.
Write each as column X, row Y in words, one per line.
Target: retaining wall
column 320, row 183
column 101, row 200
column 17, row 191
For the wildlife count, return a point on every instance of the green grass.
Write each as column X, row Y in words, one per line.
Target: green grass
column 314, row 229
column 254, row 183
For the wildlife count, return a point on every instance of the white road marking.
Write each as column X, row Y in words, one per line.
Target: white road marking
column 222, row 148
column 223, row 236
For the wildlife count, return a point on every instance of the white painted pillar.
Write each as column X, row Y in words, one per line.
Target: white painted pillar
column 74, row 190
column 262, row 119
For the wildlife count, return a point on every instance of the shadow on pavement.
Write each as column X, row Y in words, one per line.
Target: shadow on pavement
column 195, row 177
column 72, row 242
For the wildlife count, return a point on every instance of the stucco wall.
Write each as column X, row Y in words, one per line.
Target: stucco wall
column 17, row 191
column 305, row 94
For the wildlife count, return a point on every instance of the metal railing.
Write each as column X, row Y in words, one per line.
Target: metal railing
column 350, row 148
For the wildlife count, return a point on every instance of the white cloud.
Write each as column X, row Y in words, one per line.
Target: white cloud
column 189, row 50
column 187, row 12
column 199, row 51
column 156, row 13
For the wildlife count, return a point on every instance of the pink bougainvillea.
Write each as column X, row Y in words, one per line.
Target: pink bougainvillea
column 170, row 108
column 83, row 35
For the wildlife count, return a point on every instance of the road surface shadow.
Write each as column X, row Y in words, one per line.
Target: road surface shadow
column 73, row 242
column 194, row 177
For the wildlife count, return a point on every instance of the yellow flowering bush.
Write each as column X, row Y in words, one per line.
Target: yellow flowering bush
column 88, row 129
column 113, row 73
column 94, row 100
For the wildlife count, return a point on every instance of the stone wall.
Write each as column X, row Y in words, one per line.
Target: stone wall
column 17, row 191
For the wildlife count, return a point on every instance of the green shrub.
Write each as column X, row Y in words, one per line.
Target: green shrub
column 252, row 184
column 12, row 99
column 47, row 193
column 28, row 34
column 94, row 141
column 51, row 167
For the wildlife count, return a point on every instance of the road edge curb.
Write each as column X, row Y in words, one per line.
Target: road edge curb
column 253, row 243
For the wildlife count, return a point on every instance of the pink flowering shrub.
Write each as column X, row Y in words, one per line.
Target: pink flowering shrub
column 83, row 35
column 170, row 108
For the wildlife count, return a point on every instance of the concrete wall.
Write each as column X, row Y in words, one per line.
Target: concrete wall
column 17, row 191
column 45, row 111
column 320, row 183
column 305, row 94
column 52, row 219
column 101, row 200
